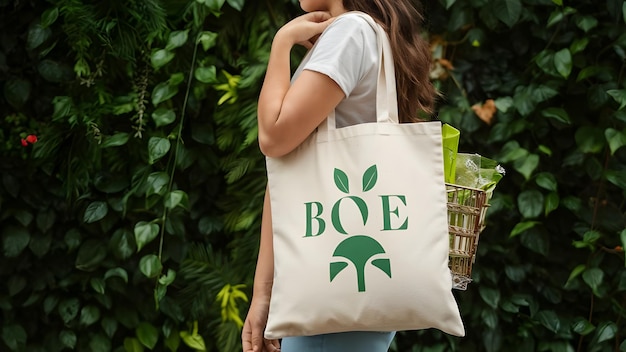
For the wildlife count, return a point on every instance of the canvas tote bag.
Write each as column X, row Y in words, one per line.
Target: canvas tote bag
column 360, row 226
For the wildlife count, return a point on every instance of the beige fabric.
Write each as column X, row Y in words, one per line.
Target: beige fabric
column 360, row 227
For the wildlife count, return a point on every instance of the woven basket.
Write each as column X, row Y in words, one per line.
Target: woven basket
column 466, row 219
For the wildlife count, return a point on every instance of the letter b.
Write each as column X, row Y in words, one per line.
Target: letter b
column 321, row 224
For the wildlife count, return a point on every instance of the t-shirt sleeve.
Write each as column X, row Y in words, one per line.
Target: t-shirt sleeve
column 343, row 52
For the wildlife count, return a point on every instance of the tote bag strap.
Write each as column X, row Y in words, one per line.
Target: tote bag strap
column 386, row 95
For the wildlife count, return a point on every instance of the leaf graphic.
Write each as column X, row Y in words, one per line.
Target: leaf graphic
column 384, row 265
column 358, row 250
column 369, row 178
column 336, row 268
column 341, row 180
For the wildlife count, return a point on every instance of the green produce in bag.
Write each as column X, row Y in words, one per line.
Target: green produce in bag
column 479, row 172
column 450, row 148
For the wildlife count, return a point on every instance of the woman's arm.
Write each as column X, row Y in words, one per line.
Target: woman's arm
column 256, row 320
column 288, row 113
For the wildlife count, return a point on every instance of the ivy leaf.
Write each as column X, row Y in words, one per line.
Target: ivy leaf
column 14, row 336
column 341, row 181
column 526, row 166
column 145, row 232
column 90, row 254
column 508, row 11
column 206, row 74
column 132, row 344
column 68, row 309
column 163, row 116
column 37, row 35
column 547, row 181
column 160, row 58
column 619, row 95
column 117, row 272
column 550, row 320
column 177, row 39
column 615, row 138
column 491, row 296
column 157, row 148
column 552, row 203
column 89, row 315
column 593, row 277
column 557, row 114
column 68, row 338
column 605, row 331
column 563, row 62
column 523, row 226
column 147, row 334
column 176, row 198
column 95, row 211
column 589, row 139
column 236, row 4
column 530, row 203
column 576, row 272
column 157, row 183
column 49, row 16
column 163, row 91
column 17, row 92
column 150, row 265
column 369, row 178
column 109, row 325
column 122, row 244
column 207, row 40
column 14, row 240
column 115, row 140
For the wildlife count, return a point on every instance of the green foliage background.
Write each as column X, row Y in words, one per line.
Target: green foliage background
column 132, row 224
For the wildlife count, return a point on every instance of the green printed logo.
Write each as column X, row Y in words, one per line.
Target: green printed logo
column 359, row 249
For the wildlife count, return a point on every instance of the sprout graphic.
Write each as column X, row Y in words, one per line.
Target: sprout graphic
column 358, row 250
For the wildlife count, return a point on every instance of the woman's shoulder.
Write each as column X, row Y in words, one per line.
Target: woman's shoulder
column 353, row 20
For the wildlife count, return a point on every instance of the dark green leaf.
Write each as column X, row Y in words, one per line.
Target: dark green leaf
column 150, row 265
column 99, row 343
column 536, row 241
column 97, row 284
column 132, row 344
column 157, row 148
column 605, row 331
column 72, row 239
column 341, row 181
column 37, row 35
column 95, row 211
column 491, row 296
column 369, row 178
column 163, row 116
column 206, row 74
column 160, row 58
column 147, row 334
column 49, row 303
column 162, row 92
column 619, row 96
column 14, row 336
column 563, row 62
column 508, row 11
column 526, row 166
column 90, row 254
column 157, row 183
column 523, row 226
column 17, row 92
column 117, row 272
column 617, row 178
column 145, row 232
column 207, row 39
column 547, row 181
column 549, row 319
column 49, row 16
column 177, row 39
column 68, row 338
column 530, row 203
column 590, row 139
column 593, row 277
column 615, row 138
column 55, row 72
column 68, row 309
column 557, row 114
column 236, row 4
column 14, row 240
column 122, row 244
column 586, row 23
column 176, row 198
column 109, row 325
column 172, row 342
column 115, row 140
column 552, row 203
column 16, row 284
column 89, row 315
column 583, row 327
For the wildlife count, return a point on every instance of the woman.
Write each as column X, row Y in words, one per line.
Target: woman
column 339, row 74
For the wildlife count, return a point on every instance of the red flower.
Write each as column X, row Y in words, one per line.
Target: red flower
column 31, row 138
column 24, row 143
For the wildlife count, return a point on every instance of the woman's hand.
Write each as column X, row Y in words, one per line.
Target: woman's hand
column 252, row 335
column 305, row 29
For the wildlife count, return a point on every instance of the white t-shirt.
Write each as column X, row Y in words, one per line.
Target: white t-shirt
column 347, row 52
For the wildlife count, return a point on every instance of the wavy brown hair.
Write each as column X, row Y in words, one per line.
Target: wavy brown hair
column 412, row 59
